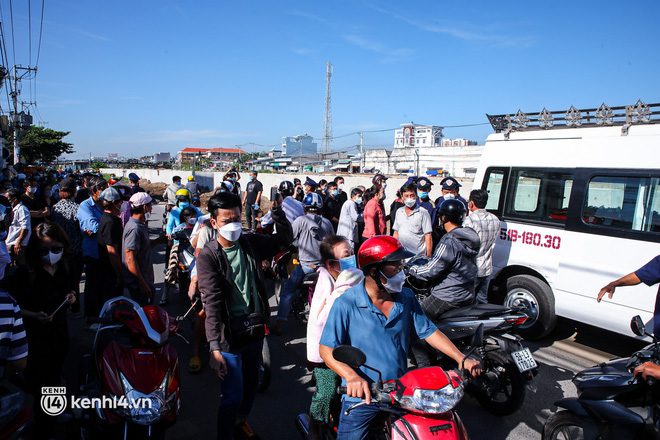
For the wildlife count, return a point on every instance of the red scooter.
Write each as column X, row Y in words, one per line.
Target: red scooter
column 132, row 375
column 417, row 406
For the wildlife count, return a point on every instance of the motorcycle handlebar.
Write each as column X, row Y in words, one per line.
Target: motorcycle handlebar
column 373, row 387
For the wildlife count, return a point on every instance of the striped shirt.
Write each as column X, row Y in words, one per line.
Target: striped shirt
column 13, row 342
column 487, row 226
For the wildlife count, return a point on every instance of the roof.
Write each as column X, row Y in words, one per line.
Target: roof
column 216, row 150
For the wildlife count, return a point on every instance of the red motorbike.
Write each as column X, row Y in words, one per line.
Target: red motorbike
column 419, row 405
column 132, row 375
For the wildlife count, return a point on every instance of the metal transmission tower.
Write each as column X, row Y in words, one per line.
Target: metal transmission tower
column 328, row 144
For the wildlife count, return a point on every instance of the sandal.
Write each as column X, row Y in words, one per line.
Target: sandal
column 195, row 364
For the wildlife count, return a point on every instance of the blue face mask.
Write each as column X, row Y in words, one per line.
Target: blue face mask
column 251, row 178
column 183, row 205
column 334, row 192
column 422, row 194
column 347, row 263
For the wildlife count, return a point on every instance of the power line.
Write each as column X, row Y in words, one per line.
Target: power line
column 41, row 29
column 30, row 35
column 13, row 41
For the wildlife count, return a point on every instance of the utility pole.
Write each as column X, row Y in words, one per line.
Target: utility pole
column 362, row 156
column 19, row 120
column 328, row 143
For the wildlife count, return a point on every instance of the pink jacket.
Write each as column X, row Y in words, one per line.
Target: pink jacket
column 374, row 219
column 326, row 292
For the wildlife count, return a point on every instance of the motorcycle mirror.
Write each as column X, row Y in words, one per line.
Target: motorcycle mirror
column 637, row 326
column 351, row 356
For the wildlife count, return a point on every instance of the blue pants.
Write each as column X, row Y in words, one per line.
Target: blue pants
column 291, row 289
column 239, row 387
column 355, row 425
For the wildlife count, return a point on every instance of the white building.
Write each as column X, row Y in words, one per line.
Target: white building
column 297, row 145
column 417, row 136
column 162, row 157
column 458, row 142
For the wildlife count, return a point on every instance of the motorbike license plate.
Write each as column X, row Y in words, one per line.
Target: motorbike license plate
column 524, row 360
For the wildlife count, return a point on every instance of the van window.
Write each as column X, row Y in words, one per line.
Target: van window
column 629, row 203
column 494, row 189
column 539, row 195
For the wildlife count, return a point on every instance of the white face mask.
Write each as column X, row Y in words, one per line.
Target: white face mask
column 410, row 202
column 394, row 284
column 448, row 196
column 191, row 221
column 340, row 186
column 358, row 200
column 33, row 190
column 384, row 185
column 232, row 231
column 52, row 257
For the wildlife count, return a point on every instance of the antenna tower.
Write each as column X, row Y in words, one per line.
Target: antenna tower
column 328, row 144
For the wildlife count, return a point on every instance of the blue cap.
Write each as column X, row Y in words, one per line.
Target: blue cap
column 424, row 184
column 133, row 177
column 310, row 182
column 450, row 183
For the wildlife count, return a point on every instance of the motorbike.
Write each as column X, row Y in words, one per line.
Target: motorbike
column 611, row 402
column 166, row 214
column 133, row 364
column 508, row 367
column 417, row 406
column 15, row 410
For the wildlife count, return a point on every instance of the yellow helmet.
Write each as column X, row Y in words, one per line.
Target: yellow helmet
column 191, row 178
column 182, row 193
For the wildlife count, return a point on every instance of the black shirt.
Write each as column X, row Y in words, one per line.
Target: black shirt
column 82, row 195
column 109, row 234
column 332, row 208
column 342, row 197
column 253, row 188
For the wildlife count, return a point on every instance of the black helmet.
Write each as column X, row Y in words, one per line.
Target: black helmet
column 285, row 188
column 453, row 210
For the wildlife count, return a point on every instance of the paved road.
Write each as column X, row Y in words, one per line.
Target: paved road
column 570, row 348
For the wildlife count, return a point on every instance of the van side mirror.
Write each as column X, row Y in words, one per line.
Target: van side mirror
column 637, row 326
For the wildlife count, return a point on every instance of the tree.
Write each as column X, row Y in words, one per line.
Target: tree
column 41, row 144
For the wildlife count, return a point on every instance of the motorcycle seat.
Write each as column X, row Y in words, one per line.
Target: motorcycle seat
column 477, row 311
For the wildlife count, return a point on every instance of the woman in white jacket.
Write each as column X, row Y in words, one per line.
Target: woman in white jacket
column 338, row 274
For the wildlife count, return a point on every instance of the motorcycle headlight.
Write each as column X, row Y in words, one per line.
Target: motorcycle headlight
column 433, row 401
column 144, row 409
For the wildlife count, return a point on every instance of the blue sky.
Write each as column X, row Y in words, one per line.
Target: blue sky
column 139, row 77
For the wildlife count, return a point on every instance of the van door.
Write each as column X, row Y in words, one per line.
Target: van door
column 613, row 229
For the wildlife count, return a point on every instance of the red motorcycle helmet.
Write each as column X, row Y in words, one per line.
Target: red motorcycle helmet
column 381, row 249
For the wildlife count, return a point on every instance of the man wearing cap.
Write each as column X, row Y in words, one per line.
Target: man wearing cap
column 412, row 226
column 193, row 186
column 136, row 255
column 310, row 185
column 252, row 199
column 450, row 188
column 423, row 189
column 109, row 243
column 331, row 206
column 89, row 214
column 135, row 183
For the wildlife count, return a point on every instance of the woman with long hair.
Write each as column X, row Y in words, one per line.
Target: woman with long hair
column 42, row 287
column 374, row 214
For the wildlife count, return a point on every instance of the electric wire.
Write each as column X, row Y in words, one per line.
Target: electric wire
column 13, row 40
column 41, row 29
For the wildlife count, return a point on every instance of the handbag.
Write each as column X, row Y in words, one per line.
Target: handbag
column 247, row 329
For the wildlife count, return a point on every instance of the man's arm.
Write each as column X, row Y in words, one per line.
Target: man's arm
column 356, row 386
column 442, row 259
column 134, row 269
column 429, row 245
column 629, row 280
column 87, row 219
column 441, row 343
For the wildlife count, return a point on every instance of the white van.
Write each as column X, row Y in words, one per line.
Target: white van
column 578, row 194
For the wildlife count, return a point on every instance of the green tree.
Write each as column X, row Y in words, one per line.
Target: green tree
column 41, row 144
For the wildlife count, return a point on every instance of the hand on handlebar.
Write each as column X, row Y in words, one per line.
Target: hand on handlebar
column 359, row 388
column 648, row 370
column 472, row 367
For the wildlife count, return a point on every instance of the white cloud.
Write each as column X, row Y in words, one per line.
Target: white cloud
column 186, row 136
column 391, row 55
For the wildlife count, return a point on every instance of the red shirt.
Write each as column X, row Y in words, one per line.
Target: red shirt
column 374, row 219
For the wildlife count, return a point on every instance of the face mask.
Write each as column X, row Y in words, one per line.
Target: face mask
column 383, row 197
column 394, row 284
column 358, row 200
column 410, row 202
column 251, row 178
column 384, row 185
column 347, row 263
column 147, row 216
column 232, row 231
column 341, row 186
column 48, row 193
column 33, row 190
column 184, row 205
column 449, row 196
column 334, row 192
column 422, row 194
column 233, row 180
column 52, row 257
column 191, row 221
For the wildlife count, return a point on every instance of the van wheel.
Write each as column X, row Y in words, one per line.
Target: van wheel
column 537, row 301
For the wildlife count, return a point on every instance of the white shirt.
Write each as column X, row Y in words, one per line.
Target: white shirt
column 20, row 221
column 348, row 221
column 292, row 209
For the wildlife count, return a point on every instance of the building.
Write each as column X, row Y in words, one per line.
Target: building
column 298, row 145
column 458, row 142
column 187, row 155
column 162, row 157
column 417, row 136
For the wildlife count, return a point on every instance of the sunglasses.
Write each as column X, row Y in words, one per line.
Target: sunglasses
column 45, row 250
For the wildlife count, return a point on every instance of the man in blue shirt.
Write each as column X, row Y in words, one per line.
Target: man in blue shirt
column 648, row 274
column 89, row 214
column 379, row 317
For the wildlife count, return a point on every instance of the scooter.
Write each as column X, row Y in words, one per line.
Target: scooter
column 611, row 402
column 417, row 406
column 15, row 411
column 508, row 367
column 186, row 254
column 133, row 370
